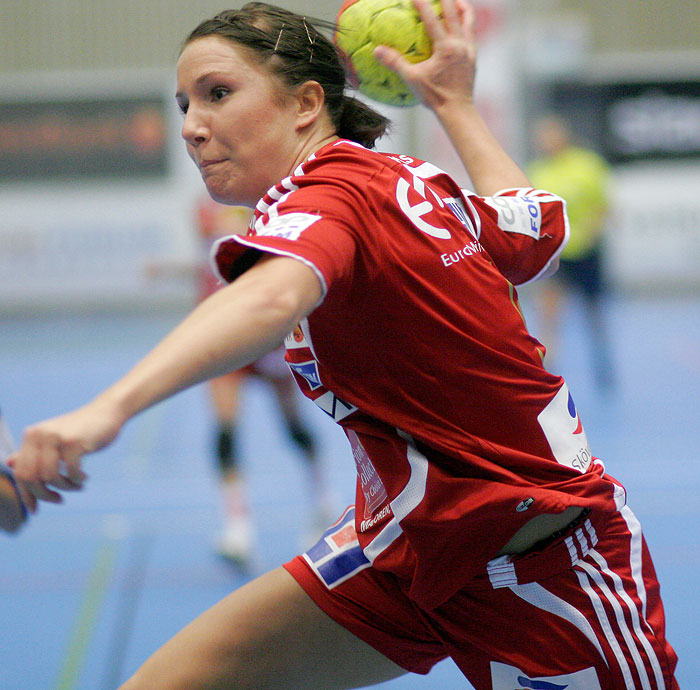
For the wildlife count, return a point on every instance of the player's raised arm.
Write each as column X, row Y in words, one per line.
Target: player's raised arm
column 232, row 328
column 445, row 84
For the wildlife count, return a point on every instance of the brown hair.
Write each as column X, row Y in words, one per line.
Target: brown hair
column 298, row 52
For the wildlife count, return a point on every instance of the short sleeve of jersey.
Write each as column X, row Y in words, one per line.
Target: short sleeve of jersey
column 523, row 230
column 314, row 224
column 340, row 208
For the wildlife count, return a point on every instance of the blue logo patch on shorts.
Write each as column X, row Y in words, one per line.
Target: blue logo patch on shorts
column 337, row 556
column 539, row 684
column 505, row 677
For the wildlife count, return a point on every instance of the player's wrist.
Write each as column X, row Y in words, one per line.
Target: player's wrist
column 458, row 114
column 115, row 405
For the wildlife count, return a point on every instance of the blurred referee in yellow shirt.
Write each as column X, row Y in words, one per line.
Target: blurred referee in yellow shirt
column 582, row 178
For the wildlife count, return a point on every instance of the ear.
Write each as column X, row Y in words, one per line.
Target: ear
column 311, row 99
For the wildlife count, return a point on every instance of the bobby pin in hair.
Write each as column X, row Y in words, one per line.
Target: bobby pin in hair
column 311, row 40
column 279, row 38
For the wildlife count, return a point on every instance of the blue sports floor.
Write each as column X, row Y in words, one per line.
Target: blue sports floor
column 90, row 588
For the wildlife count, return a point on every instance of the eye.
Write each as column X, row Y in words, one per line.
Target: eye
column 218, row 92
column 182, row 107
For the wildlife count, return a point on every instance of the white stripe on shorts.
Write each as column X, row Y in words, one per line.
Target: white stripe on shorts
column 606, row 628
column 636, row 625
column 537, row 596
column 636, row 555
column 591, row 574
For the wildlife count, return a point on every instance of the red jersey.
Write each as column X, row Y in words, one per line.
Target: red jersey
column 419, row 351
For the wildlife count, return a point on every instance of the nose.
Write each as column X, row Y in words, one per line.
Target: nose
column 194, row 130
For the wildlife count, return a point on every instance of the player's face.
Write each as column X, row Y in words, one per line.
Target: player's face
column 239, row 124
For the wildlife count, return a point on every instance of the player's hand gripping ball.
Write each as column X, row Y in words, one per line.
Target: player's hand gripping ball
column 365, row 24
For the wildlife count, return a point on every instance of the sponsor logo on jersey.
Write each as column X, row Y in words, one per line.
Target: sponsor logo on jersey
column 524, row 505
column 308, row 371
column 457, row 207
column 462, row 253
column 383, row 513
column 333, row 406
column 519, row 214
column 298, row 338
column 416, row 212
column 564, row 431
column 289, row 226
column 371, row 484
column 505, row 677
column 337, row 556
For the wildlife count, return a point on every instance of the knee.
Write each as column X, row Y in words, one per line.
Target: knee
column 225, row 448
column 303, row 439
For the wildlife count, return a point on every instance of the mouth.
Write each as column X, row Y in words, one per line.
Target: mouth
column 205, row 164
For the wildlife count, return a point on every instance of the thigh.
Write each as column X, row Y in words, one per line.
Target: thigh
column 268, row 634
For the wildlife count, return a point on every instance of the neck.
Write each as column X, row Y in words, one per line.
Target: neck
column 310, row 146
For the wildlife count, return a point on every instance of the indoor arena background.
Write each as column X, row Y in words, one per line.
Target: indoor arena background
column 95, row 185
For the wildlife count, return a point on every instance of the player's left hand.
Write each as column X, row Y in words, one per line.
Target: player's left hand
column 448, row 74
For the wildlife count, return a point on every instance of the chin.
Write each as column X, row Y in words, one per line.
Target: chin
column 224, row 195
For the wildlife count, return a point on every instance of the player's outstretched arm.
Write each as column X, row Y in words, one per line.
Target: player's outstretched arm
column 445, row 84
column 232, row 328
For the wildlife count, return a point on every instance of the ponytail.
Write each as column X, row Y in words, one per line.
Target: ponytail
column 360, row 123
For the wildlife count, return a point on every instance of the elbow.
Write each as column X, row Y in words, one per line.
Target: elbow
column 277, row 293
column 277, row 310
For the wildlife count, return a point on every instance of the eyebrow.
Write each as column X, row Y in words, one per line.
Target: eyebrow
column 201, row 79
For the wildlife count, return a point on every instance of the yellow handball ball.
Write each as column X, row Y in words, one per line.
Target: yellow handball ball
column 362, row 25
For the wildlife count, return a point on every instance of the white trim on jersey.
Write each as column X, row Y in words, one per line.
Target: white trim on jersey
column 306, row 332
column 546, row 270
column 270, row 250
column 409, row 499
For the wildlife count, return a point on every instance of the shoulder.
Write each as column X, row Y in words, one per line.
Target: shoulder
column 348, row 160
column 345, row 172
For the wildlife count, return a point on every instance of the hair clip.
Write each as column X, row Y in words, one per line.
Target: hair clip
column 312, row 41
column 279, row 38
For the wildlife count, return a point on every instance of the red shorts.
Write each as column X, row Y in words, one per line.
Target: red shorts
column 584, row 612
